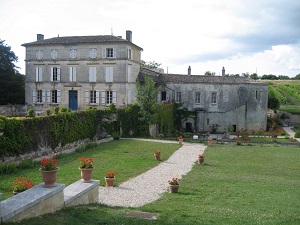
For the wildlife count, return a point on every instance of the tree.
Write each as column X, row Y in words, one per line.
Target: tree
column 297, row 77
column 269, row 77
column 146, row 97
column 12, row 83
column 150, row 64
column 209, row 73
column 273, row 102
column 245, row 74
column 254, row 76
column 283, row 77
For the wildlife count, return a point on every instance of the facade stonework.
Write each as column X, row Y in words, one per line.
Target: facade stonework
column 81, row 71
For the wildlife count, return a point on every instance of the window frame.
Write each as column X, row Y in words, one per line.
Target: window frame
column 213, row 99
column 197, row 98
column 178, row 96
column 93, row 53
column 73, row 53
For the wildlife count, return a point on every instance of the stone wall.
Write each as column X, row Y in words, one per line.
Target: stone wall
column 13, row 110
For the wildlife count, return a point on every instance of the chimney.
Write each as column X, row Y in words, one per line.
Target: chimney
column 129, row 35
column 39, row 37
column 189, row 71
column 223, row 72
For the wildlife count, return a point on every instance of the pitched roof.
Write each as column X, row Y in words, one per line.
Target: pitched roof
column 183, row 78
column 80, row 40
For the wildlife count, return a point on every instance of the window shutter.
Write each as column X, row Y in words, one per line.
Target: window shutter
column 97, row 97
column 40, row 74
column 106, row 74
column 48, row 96
column 114, row 52
column 167, row 96
column 103, row 97
column 104, row 53
column 43, row 96
column 71, row 74
column 129, row 96
column 111, row 74
column 51, row 74
column 114, row 99
column 92, row 74
column 159, row 96
column 86, row 97
column 36, row 74
column 33, row 96
column 129, row 74
column 58, row 74
column 58, row 96
column 74, row 74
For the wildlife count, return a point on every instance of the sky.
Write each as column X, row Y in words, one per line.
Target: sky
column 244, row 36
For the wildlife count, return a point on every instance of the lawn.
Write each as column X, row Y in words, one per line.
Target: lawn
column 235, row 185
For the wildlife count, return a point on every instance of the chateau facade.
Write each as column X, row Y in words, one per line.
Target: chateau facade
column 80, row 71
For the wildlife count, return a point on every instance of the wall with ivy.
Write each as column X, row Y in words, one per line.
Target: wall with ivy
column 23, row 135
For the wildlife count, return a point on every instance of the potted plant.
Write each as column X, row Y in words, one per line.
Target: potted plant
column 201, row 158
column 157, row 154
column 115, row 135
column 110, row 178
column 49, row 169
column 21, row 184
column 86, row 168
column 180, row 138
column 174, row 185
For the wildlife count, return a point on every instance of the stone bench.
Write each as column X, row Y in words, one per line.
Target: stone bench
column 33, row 202
column 80, row 193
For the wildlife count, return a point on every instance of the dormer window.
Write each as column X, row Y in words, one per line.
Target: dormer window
column 54, row 54
column 39, row 54
column 110, row 53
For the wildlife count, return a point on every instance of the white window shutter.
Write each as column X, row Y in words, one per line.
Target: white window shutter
column 71, row 74
column 92, row 74
column 111, row 74
column 58, row 74
column 58, row 96
column 167, row 96
column 33, row 96
column 159, row 96
column 36, row 74
column 51, row 74
column 129, row 74
column 103, row 97
column 114, row 52
column 86, row 97
column 104, row 53
column 48, row 96
column 106, row 74
column 43, row 96
column 129, row 96
column 114, row 99
column 97, row 97
column 40, row 74
column 74, row 74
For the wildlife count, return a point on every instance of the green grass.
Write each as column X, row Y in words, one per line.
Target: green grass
column 293, row 109
column 128, row 158
column 235, row 185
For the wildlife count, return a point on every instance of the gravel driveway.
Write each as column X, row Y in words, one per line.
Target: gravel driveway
column 137, row 192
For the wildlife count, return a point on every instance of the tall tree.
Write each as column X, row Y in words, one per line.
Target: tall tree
column 254, row 76
column 150, row 64
column 12, row 83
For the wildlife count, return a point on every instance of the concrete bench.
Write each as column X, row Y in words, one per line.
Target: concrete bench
column 31, row 203
column 80, row 193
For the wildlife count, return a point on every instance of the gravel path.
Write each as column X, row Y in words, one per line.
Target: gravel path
column 137, row 192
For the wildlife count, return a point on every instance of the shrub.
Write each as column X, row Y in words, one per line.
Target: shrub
column 56, row 110
column 297, row 134
column 48, row 112
column 30, row 113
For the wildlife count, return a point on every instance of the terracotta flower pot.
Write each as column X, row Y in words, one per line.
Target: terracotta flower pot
column 109, row 181
column 200, row 160
column 180, row 141
column 49, row 177
column 86, row 174
column 157, row 156
column 173, row 188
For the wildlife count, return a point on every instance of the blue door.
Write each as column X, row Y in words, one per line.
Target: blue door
column 73, row 100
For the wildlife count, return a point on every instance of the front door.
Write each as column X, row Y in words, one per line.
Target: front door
column 73, row 100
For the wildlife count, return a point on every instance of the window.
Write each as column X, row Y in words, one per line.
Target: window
column 92, row 74
column 109, row 74
column 178, row 97
column 38, row 96
column 108, row 97
column 129, row 73
column 72, row 74
column 39, row 74
column 129, row 54
column 197, row 98
column 93, row 97
column 55, row 74
column 207, row 122
column 39, row 54
column 55, row 96
column 93, row 53
column 110, row 53
column 214, row 98
column 256, row 94
column 54, row 54
column 162, row 96
column 73, row 53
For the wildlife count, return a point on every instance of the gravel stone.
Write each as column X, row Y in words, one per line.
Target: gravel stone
column 137, row 192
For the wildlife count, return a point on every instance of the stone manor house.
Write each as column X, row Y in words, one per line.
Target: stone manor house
column 81, row 71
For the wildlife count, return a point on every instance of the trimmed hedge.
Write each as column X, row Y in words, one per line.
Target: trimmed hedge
column 23, row 135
